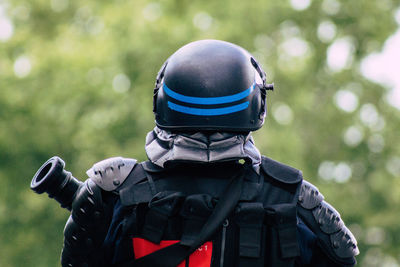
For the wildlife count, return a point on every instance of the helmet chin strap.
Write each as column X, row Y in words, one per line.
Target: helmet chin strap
column 264, row 87
column 262, row 74
column 159, row 81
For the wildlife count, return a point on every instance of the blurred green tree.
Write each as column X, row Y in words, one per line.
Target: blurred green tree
column 76, row 80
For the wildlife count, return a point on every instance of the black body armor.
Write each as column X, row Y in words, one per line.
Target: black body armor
column 156, row 205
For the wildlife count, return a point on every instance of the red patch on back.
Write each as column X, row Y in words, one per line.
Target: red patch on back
column 200, row 258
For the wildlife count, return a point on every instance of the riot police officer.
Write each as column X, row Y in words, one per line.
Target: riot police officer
column 206, row 196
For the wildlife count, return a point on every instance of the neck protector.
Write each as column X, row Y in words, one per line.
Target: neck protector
column 163, row 146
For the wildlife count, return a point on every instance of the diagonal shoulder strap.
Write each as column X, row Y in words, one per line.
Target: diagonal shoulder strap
column 173, row 255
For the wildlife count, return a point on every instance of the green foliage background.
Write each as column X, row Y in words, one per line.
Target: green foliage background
column 88, row 96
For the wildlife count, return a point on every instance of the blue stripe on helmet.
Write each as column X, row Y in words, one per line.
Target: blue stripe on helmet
column 209, row 111
column 208, row 100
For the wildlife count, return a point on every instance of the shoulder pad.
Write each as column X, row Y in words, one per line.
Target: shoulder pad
column 280, row 171
column 110, row 173
column 309, row 196
column 331, row 228
column 328, row 218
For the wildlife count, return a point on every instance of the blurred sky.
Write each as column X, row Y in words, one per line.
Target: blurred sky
column 384, row 67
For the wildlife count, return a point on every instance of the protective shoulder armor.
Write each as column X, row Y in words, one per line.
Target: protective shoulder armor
column 309, row 197
column 331, row 228
column 280, row 171
column 110, row 173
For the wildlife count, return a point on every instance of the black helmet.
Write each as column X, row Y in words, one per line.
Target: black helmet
column 210, row 85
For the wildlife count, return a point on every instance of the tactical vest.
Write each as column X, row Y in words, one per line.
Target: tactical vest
column 127, row 211
column 160, row 207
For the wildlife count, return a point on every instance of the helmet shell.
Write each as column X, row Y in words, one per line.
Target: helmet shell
column 210, row 85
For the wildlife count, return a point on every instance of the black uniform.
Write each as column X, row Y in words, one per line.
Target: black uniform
column 206, row 196
column 280, row 219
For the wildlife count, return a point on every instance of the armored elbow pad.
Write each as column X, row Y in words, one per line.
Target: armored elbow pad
column 91, row 213
column 334, row 237
column 84, row 230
